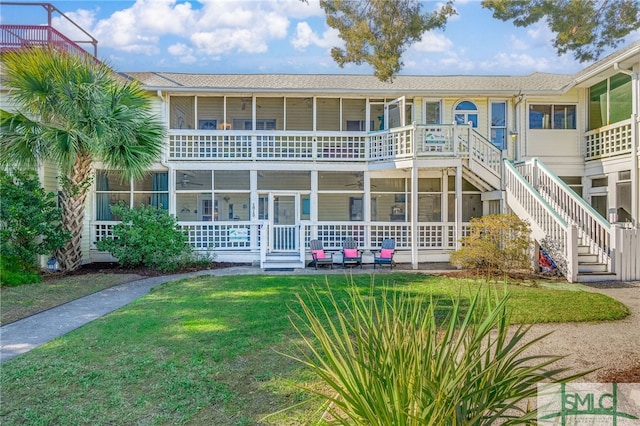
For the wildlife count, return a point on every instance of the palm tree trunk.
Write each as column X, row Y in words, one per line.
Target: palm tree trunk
column 73, row 199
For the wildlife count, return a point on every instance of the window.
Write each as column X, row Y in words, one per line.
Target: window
column 260, row 124
column 358, row 125
column 499, row 124
column 623, row 196
column 552, row 117
column 432, row 111
column 465, row 112
column 610, row 101
column 152, row 190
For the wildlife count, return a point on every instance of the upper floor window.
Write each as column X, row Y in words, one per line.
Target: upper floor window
column 432, row 112
column 610, row 101
column 499, row 124
column 465, row 112
column 552, row 116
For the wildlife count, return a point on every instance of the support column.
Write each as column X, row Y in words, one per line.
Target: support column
column 415, row 235
column 458, row 205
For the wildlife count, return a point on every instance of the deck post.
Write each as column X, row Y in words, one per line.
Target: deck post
column 415, row 235
column 458, row 205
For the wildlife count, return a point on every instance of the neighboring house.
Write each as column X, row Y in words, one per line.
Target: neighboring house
column 256, row 166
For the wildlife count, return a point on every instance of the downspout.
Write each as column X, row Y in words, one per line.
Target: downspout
column 164, row 155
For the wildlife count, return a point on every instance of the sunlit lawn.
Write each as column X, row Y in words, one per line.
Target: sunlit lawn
column 207, row 350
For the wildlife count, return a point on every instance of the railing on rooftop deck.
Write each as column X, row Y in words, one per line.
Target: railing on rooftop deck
column 13, row 37
column 609, row 141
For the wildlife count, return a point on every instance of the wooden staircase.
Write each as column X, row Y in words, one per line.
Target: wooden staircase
column 590, row 269
column 558, row 216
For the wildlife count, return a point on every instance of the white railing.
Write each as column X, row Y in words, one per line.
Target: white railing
column 271, row 145
column 594, row 230
column 548, row 227
column 608, row 141
column 392, row 144
column 398, row 143
column 247, row 236
column 285, row 238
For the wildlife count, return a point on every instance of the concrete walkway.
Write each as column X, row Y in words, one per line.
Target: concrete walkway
column 23, row 335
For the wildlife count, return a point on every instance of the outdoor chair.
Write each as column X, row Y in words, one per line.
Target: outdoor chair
column 320, row 257
column 351, row 255
column 385, row 255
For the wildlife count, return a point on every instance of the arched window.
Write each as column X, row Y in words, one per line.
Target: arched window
column 464, row 112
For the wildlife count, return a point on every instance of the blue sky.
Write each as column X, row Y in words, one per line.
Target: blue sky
column 289, row 36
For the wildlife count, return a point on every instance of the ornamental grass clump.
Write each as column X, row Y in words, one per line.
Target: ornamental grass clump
column 404, row 359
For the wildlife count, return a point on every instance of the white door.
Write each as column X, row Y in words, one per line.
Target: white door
column 395, row 113
column 283, row 217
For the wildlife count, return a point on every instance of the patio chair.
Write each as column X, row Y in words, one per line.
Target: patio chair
column 385, row 255
column 351, row 255
column 320, row 257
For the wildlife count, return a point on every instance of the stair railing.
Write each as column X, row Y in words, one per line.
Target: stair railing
column 593, row 230
column 547, row 226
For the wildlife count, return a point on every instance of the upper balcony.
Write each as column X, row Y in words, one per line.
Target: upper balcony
column 408, row 142
column 17, row 36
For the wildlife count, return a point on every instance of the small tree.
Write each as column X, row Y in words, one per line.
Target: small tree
column 30, row 225
column 496, row 243
column 147, row 237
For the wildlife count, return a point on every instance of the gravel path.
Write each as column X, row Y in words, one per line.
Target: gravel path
column 606, row 346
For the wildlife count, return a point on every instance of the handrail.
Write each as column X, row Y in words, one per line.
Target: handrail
column 595, row 231
column 553, row 226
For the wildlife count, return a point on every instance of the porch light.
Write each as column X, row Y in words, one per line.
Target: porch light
column 513, row 134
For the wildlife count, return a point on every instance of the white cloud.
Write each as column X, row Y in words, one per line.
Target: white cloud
column 518, row 44
column 540, row 34
column 305, row 37
column 514, row 62
column 433, row 42
column 184, row 53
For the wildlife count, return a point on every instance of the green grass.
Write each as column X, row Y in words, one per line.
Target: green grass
column 205, row 351
column 22, row 301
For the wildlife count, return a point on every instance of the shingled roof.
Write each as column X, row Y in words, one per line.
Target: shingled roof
column 536, row 83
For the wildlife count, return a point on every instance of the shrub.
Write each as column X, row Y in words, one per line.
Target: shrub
column 149, row 237
column 389, row 361
column 496, row 243
column 29, row 226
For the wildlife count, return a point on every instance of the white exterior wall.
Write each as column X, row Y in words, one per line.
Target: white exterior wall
column 561, row 150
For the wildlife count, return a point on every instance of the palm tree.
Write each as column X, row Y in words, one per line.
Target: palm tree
column 71, row 111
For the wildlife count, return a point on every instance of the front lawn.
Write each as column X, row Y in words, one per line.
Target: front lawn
column 205, row 351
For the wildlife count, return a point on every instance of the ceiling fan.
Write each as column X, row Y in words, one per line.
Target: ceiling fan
column 185, row 182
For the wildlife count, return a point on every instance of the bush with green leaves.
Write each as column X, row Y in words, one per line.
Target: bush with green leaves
column 30, row 225
column 496, row 243
column 148, row 237
column 403, row 359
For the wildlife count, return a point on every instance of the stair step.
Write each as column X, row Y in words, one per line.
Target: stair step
column 591, row 267
column 588, row 277
column 282, row 262
column 587, row 258
column 583, row 250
